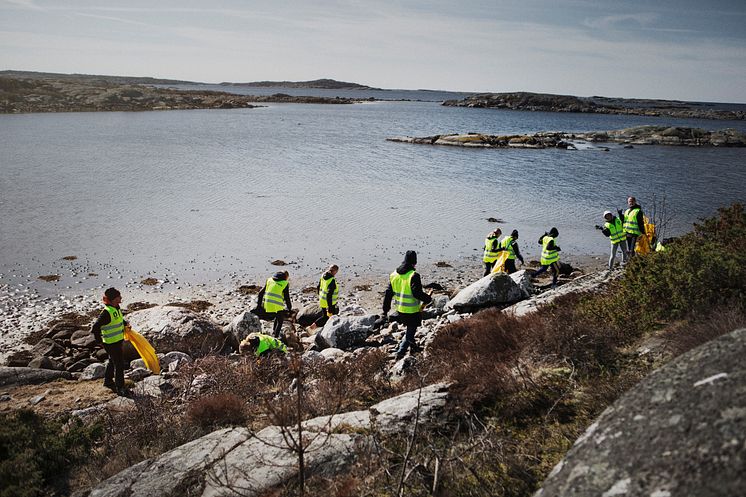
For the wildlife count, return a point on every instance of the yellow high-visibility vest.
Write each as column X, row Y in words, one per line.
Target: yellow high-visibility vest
column 630, row 222
column 114, row 331
column 403, row 298
column 489, row 254
column 274, row 300
column 548, row 256
column 324, row 292
column 616, row 231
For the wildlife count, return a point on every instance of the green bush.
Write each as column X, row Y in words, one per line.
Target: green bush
column 699, row 271
column 36, row 455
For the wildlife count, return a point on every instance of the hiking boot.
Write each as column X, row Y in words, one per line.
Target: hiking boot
column 124, row 392
column 111, row 386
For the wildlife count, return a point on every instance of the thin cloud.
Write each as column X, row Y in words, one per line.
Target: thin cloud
column 114, row 19
column 26, row 4
column 643, row 19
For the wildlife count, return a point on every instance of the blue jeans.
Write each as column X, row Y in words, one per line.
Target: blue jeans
column 555, row 271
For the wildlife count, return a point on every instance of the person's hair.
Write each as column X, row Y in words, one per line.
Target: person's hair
column 333, row 267
column 633, row 199
column 112, row 293
column 554, row 231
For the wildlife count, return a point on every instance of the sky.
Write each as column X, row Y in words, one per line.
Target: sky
column 671, row 49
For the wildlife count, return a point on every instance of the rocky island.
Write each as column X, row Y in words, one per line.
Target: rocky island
column 324, row 83
column 22, row 92
column 638, row 135
column 545, row 102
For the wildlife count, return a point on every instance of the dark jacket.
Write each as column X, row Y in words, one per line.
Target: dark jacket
column 640, row 217
column 516, row 251
column 416, row 284
column 332, row 287
column 279, row 276
column 103, row 319
column 552, row 245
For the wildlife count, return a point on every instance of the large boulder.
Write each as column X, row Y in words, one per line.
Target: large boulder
column 176, row 328
column 588, row 283
column 235, row 458
column 308, row 315
column 522, row 278
column 678, row 432
column 493, row 289
column 244, row 324
column 29, row 376
column 48, row 348
column 345, row 332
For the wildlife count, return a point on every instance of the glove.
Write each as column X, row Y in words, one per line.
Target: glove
column 329, row 314
column 598, row 227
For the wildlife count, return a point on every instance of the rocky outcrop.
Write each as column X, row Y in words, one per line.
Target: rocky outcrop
column 244, row 324
column 175, row 328
column 545, row 102
column 345, row 332
column 638, row 135
column 494, row 289
column 679, row 432
column 587, row 283
column 234, row 458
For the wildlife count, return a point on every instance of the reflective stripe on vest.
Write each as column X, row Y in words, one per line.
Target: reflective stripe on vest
column 274, row 300
column 267, row 342
column 548, row 256
column 507, row 244
column 616, row 232
column 489, row 254
column 324, row 292
column 630, row 221
column 401, row 284
column 114, row 331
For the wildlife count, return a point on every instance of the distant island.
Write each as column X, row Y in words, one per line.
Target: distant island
column 547, row 102
column 327, row 84
column 26, row 92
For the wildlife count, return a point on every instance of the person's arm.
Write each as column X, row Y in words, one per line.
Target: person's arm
column 641, row 222
column 260, row 297
column 387, row 299
column 103, row 319
column 553, row 246
column 517, row 252
column 330, row 293
column 416, row 284
column 606, row 232
column 286, row 294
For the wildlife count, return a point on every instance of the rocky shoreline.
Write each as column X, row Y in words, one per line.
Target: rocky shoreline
column 638, row 135
column 26, row 95
column 543, row 102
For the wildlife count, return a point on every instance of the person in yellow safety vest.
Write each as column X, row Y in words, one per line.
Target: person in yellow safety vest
column 549, row 255
column 405, row 290
column 261, row 344
column 109, row 330
column 510, row 243
column 614, row 229
column 273, row 301
column 634, row 224
column 328, row 293
column 491, row 250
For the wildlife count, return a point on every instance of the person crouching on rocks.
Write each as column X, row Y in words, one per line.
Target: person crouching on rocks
column 109, row 330
column 273, row 301
column 260, row 343
column 405, row 289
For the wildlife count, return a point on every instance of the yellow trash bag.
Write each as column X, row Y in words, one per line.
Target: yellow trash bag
column 642, row 246
column 500, row 262
column 146, row 351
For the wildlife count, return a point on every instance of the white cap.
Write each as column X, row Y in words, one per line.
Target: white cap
column 607, row 212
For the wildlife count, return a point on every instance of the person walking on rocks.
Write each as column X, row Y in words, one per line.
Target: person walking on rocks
column 614, row 229
column 109, row 330
column 273, row 301
column 634, row 224
column 510, row 243
column 549, row 255
column 328, row 293
column 491, row 250
column 405, row 289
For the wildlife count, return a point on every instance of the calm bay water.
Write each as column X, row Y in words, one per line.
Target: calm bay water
column 196, row 195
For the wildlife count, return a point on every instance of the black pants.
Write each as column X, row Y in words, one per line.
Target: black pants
column 115, row 364
column 412, row 322
column 488, row 267
column 631, row 242
column 555, row 271
column 510, row 266
column 278, row 316
column 324, row 318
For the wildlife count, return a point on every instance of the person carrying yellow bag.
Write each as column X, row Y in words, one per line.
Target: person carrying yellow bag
column 109, row 330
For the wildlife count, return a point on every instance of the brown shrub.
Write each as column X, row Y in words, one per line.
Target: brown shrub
column 687, row 335
column 478, row 353
column 215, row 411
